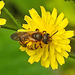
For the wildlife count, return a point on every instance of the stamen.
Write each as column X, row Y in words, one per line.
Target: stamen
column 37, row 30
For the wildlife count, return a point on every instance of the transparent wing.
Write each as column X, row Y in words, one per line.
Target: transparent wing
column 23, row 35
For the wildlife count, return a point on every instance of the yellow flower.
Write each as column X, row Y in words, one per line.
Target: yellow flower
column 58, row 45
column 2, row 21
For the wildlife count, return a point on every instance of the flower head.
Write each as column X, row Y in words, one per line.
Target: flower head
column 57, row 46
column 2, row 21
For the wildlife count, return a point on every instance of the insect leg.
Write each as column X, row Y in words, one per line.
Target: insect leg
column 40, row 45
column 49, row 47
column 36, row 47
column 24, row 43
column 44, row 32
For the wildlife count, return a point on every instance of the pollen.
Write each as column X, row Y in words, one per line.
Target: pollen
column 29, row 44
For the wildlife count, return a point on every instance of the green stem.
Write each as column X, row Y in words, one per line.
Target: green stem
column 14, row 20
column 71, row 56
column 9, row 28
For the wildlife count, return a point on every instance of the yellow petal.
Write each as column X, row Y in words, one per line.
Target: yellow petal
column 64, row 53
column 1, row 4
column 28, row 27
column 63, row 24
column 56, row 38
column 21, row 30
column 45, row 15
column 50, row 27
column 38, row 20
column 55, row 42
column 45, row 63
column 66, row 41
column 65, row 47
column 43, row 11
column 60, row 32
column 54, row 14
column 34, row 14
column 54, row 63
column 60, row 58
column 37, row 59
column 69, row 34
column 31, row 60
column 58, row 48
column 48, row 16
column 2, row 21
column 35, row 56
column 22, row 48
column 30, row 52
column 46, row 53
column 38, row 55
column 52, row 49
column 28, row 19
column 59, row 19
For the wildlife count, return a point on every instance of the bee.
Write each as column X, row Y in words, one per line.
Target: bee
column 31, row 36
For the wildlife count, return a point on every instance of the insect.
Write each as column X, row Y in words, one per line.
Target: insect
column 31, row 36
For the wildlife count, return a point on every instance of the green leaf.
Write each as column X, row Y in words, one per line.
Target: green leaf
column 12, row 23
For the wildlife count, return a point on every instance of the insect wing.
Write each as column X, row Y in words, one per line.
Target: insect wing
column 23, row 35
column 16, row 36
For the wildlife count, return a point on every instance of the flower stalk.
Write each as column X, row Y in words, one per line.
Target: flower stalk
column 18, row 25
column 72, row 56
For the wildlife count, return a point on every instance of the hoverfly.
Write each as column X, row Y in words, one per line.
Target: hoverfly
column 31, row 36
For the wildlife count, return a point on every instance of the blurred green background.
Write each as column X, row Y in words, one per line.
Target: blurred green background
column 15, row 62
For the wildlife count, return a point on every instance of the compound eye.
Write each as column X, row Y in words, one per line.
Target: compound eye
column 46, row 38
